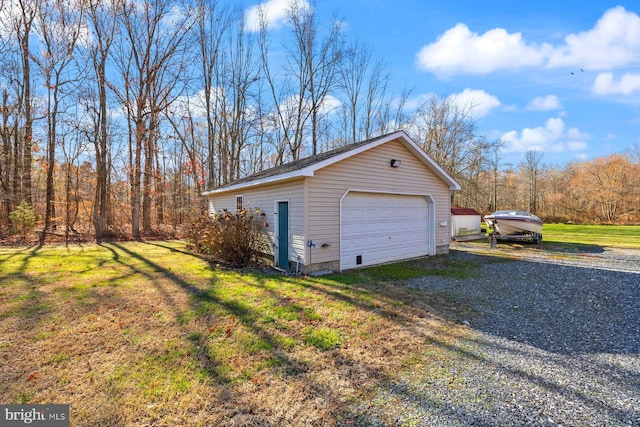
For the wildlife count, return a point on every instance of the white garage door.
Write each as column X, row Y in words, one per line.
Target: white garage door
column 379, row 228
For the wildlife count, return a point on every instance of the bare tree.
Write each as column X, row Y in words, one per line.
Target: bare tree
column 556, row 183
column 533, row 168
column 634, row 153
column 212, row 24
column 352, row 76
column 59, row 27
column 22, row 24
column 382, row 111
column 364, row 85
column 276, row 120
column 185, row 131
column 606, row 187
column 237, row 73
column 150, row 60
column 73, row 142
column 10, row 138
column 384, row 115
column 309, row 76
column 447, row 132
column 314, row 63
column 494, row 162
column 101, row 19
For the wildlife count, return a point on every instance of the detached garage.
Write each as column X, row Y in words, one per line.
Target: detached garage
column 368, row 203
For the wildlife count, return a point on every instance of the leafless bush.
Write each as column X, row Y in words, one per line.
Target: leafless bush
column 236, row 238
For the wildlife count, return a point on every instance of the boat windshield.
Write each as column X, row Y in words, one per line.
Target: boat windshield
column 512, row 213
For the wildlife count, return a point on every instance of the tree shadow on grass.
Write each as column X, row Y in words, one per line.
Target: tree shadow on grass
column 552, row 246
column 29, row 302
column 266, row 342
column 557, row 246
column 162, row 273
column 547, row 245
column 331, row 383
column 547, row 338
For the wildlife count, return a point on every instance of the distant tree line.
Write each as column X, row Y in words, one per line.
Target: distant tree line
column 116, row 115
column 605, row 190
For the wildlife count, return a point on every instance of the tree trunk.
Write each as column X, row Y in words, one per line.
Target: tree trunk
column 160, row 196
column 147, row 180
column 27, row 146
column 101, row 202
column 50, row 209
column 140, row 134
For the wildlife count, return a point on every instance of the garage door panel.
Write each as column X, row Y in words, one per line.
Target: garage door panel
column 383, row 227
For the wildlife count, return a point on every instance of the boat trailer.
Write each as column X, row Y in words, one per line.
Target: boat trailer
column 494, row 236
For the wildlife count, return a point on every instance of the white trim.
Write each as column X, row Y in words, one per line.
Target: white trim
column 271, row 179
column 311, row 169
column 305, row 209
column 431, row 220
column 432, row 223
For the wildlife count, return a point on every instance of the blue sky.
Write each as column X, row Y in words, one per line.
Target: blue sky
column 555, row 76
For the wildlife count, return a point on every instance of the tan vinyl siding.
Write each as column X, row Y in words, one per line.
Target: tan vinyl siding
column 264, row 198
column 371, row 171
column 314, row 202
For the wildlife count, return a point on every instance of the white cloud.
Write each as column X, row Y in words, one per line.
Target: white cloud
column 413, row 103
column 576, row 145
column 478, row 102
column 551, row 137
column 11, row 15
column 459, row 50
column 545, row 103
column 274, row 11
column 605, row 84
column 613, row 42
column 192, row 105
column 330, row 104
column 8, row 14
column 574, row 133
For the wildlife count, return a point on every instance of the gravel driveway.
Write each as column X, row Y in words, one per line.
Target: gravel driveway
column 554, row 339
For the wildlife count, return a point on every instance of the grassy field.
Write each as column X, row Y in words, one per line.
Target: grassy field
column 579, row 238
column 615, row 236
column 149, row 334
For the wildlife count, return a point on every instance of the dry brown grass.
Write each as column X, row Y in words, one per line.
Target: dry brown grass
column 146, row 334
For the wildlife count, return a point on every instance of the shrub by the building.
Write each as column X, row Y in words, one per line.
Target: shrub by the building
column 235, row 238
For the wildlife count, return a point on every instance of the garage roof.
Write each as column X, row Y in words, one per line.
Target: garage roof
column 308, row 166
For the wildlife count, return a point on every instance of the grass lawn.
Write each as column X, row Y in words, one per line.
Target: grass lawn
column 580, row 238
column 148, row 334
column 615, row 236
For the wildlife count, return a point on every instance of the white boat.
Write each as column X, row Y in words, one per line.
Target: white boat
column 515, row 224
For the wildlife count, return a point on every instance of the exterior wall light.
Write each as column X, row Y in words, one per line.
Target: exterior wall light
column 395, row 163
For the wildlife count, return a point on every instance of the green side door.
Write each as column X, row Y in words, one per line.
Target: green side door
column 283, row 234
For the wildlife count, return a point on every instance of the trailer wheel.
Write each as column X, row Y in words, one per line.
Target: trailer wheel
column 539, row 239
